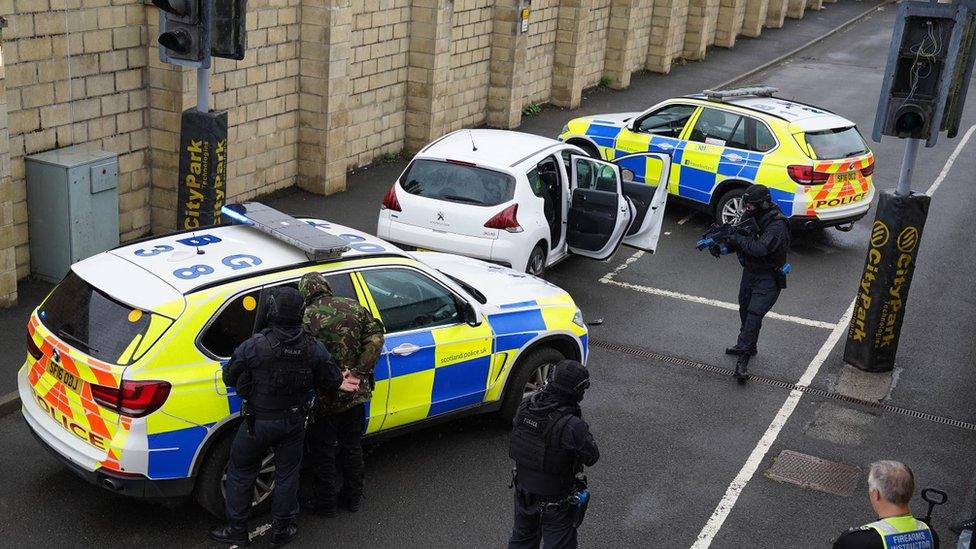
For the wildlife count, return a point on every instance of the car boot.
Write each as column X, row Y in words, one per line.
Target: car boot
column 231, row 535
column 282, row 533
column 742, row 368
column 736, row 350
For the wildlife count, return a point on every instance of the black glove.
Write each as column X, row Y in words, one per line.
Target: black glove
column 715, row 250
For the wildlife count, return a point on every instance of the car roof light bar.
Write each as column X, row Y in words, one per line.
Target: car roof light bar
column 317, row 244
column 754, row 91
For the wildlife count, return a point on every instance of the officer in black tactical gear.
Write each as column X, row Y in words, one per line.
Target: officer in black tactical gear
column 274, row 372
column 550, row 444
column 763, row 258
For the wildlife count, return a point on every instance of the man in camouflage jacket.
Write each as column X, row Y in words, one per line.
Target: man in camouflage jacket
column 355, row 340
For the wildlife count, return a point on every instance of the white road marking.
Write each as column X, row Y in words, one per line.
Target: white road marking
column 256, row 533
column 952, row 160
column 755, row 459
column 685, row 219
column 758, row 454
column 609, row 279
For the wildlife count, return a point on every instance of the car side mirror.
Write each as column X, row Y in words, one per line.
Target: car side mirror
column 626, row 175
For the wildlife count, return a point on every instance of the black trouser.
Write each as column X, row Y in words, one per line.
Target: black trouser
column 336, row 449
column 758, row 292
column 246, row 453
column 552, row 525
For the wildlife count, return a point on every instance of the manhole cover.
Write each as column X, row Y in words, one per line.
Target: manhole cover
column 814, row 473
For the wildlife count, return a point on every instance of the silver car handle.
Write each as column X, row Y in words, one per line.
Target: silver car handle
column 406, row 349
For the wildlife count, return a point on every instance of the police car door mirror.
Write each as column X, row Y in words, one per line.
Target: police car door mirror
column 626, row 175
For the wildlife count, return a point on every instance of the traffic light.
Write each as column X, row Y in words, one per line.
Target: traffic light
column 928, row 70
column 184, row 31
column 228, row 35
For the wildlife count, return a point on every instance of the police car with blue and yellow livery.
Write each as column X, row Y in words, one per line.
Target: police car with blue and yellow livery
column 122, row 380
column 816, row 164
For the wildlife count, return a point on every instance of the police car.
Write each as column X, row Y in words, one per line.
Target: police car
column 522, row 200
column 122, row 380
column 816, row 164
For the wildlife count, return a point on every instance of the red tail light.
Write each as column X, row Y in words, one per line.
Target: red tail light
column 506, row 219
column 32, row 348
column 133, row 398
column 868, row 170
column 806, row 175
column 390, row 201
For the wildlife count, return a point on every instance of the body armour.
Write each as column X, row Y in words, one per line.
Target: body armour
column 780, row 240
column 544, row 466
column 282, row 375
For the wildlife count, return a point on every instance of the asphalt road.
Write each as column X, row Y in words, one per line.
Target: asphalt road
column 673, row 436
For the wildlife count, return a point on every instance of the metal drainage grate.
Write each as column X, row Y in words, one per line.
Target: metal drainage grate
column 873, row 404
column 815, row 473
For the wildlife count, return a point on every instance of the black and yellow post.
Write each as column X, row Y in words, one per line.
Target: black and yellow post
column 203, row 168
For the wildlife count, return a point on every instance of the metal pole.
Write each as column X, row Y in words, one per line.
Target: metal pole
column 203, row 89
column 907, row 168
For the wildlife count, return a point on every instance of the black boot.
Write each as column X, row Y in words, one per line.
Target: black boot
column 322, row 508
column 742, row 368
column 282, row 533
column 232, row 535
column 735, row 350
column 352, row 502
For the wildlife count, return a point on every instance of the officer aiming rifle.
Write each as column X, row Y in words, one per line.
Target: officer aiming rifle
column 761, row 240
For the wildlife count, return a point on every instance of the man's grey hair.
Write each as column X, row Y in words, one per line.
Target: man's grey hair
column 894, row 480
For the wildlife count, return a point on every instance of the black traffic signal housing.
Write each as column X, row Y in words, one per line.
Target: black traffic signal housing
column 227, row 32
column 184, row 31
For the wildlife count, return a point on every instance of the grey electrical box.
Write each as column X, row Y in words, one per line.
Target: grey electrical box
column 73, row 201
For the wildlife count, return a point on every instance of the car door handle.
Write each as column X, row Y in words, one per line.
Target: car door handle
column 734, row 157
column 406, row 349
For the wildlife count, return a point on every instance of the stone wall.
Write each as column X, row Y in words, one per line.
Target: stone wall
column 326, row 85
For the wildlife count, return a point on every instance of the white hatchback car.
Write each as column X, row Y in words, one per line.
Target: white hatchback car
column 521, row 200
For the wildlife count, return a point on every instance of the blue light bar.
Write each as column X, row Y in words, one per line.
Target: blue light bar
column 317, row 244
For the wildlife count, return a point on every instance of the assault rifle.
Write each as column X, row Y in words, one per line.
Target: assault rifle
column 718, row 235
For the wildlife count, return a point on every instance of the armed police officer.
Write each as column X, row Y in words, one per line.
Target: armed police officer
column 891, row 485
column 274, row 372
column 355, row 340
column 761, row 239
column 550, row 444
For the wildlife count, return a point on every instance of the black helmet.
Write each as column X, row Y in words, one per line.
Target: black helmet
column 758, row 195
column 569, row 378
column 285, row 306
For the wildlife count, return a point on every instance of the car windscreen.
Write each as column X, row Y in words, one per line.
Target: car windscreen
column 88, row 319
column 836, row 143
column 457, row 182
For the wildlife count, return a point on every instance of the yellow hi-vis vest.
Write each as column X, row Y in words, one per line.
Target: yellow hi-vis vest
column 904, row 532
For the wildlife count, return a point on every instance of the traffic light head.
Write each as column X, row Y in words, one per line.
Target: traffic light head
column 184, row 31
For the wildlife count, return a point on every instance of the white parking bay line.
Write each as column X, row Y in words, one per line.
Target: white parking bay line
column 725, row 506
column 609, row 279
column 685, row 219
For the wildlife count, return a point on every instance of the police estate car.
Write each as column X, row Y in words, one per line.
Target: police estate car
column 122, row 379
column 816, row 164
column 522, row 200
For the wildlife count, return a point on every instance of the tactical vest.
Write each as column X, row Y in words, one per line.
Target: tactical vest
column 544, row 466
column 777, row 258
column 282, row 375
column 905, row 532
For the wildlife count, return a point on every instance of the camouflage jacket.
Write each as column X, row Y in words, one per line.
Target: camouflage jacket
column 349, row 332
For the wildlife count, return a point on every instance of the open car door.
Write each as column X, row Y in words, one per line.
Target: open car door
column 599, row 214
column 648, row 198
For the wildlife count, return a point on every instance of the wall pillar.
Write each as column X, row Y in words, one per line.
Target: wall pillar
column 776, row 13
column 755, row 17
column 815, row 4
column 428, row 72
column 730, row 17
column 668, row 24
column 700, row 33
column 620, row 36
column 323, row 90
column 8, row 243
column 509, row 48
column 795, row 8
column 568, row 70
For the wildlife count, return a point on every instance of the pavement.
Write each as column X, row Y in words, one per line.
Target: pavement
column 686, row 451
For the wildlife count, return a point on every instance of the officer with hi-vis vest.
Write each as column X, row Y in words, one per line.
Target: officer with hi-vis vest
column 550, row 444
column 890, row 488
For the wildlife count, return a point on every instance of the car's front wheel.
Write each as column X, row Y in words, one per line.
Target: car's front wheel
column 531, row 373
column 209, row 491
column 730, row 207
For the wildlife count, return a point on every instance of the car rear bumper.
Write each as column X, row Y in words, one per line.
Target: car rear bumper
column 809, row 223
column 506, row 250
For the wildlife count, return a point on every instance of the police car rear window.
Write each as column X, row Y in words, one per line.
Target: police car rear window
column 458, row 182
column 836, row 143
column 89, row 320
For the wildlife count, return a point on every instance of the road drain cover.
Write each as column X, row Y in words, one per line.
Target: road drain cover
column 814, row 473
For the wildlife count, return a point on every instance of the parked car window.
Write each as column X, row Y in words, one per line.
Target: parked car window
column 738, row 137
column 667, row 121
column 836, row 143
column 594, row 176
column 458, row 182
column 715, row 127
column 234, row 323
column 409, row 300
column 765, row 141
